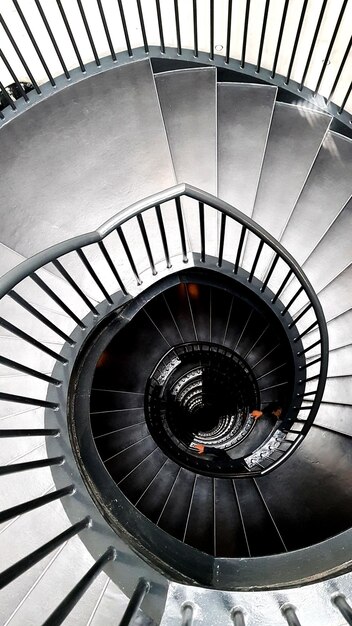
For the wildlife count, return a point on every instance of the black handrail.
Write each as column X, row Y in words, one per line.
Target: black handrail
column 171, row 25
column 29, row 267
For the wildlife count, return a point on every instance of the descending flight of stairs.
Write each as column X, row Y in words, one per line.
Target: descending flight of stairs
column 71, row 162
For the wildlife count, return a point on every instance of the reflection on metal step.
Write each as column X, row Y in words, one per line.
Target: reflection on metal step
column 336, row 298
column 294, row 141
column 244, row 118
column 335, row 417
column 333, row 252
column 188, row 105
column 80, row 173
column 329, row 187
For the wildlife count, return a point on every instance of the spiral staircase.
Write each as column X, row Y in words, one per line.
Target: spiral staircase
column 175, row 251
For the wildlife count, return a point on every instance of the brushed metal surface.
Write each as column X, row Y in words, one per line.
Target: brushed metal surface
column 294, row 140
column 333, row 252
column 340, row 361
column 325, row 193
column 338, row 390
column 244, row 118
column 188, row 104
column 336, row 418
column 336, row 298
column 313, row 604
column 80, row 156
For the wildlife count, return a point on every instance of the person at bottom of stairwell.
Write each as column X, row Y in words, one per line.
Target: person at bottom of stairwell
column 273, row 409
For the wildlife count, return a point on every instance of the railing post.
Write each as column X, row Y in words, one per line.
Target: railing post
column 68, row 603
column 135, row 602
column 187, row 614
column 289, row 613
column 237, row 616
column 342, row 605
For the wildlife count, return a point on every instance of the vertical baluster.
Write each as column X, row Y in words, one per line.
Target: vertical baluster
column 342, row 106
column 177, row 25
column 135, row 602
column 33, row 41
column 228, row 34
column 187, row 615
column 125, row 29
column 66, row 606
column 163, row 235
column 195, row 28
column 14, row 77
column 141, row 21
column 211, row 10
column 70, row 34
column 160, row 26
column 222, row 238
column 106, row 29
column 295, row 44
column 146, row 243
column 7, row 98
column 262, row 36
column 202, row 231
column 52, row 38
column 245, row 34
column 128, row 254
column 88, row 31
column 19, row 54
column 345, row 609
column 315, row 37
column 279, row 39
column 340, row 70
column 239, row 249
column 182, row 229
column 255, row 262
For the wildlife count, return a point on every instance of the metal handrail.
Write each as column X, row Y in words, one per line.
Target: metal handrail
column 14, row 58
column 202, row 199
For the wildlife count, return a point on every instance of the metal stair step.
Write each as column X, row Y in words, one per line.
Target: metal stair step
column 188, row 101
column 93, row 165
column 333, row 253
column 244, row 118
column 293, row 143
column 188, row 105
column 329, row 186
column 337, row 418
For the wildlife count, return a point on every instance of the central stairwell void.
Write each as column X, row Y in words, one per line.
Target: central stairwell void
column 213, row 288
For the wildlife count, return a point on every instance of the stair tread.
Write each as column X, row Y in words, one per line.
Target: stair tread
column 324, row 264
column 188, row 104
column 329, row 186
column 244, row 118
column 294, row 141
column 293, row 491
column 97, row 154
column 335, row 418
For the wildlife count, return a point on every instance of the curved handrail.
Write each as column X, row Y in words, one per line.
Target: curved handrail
column 158, row 41
column 28, row 268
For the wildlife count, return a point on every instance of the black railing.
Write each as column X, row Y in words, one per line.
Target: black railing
column 185, row 217
column 189, row 216
column 218, row 36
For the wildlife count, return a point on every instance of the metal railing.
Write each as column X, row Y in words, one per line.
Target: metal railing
column 176, row 228
column 166, row 231
column 247, row 40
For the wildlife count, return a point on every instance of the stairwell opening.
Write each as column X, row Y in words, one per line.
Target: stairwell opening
column 184, row 363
